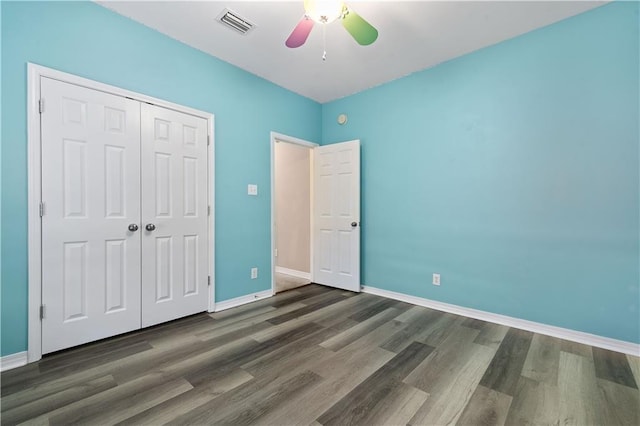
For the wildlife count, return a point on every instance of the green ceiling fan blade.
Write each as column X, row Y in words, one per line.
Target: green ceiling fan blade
column 362, row 31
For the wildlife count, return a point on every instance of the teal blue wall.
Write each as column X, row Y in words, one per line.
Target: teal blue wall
column 513, row 172
column 90, row 41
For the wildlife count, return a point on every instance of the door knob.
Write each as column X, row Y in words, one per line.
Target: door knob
column 133, row 227
column 150, row 227
column 354, row 224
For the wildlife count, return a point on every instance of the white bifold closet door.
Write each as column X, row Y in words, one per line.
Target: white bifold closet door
column 112, row 166
column 174, row 204
column 91, row 193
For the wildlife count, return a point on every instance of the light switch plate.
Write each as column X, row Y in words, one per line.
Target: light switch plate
column 252, row 189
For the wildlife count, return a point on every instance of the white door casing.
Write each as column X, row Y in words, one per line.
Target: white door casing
column 91, row 194
column 174, row 201
column 336, row 224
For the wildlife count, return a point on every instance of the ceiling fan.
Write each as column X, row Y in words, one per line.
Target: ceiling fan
column 325, row 12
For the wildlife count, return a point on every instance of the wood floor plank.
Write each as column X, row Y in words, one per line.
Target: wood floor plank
column 403, row 404
column 576, row 348
column 349, row 369
column 491, row 335
column 159, row 360
column 236, row 333
column 238, row 403
column 361, row 404
column 486, row 407
column 182, row 404
column 578, row 391
column 441, row 365
column 503, row 373
column 93, row 354
column 301, row 294
column 473, row 323
column 613, row 366
column 411, row 313
column 634, row 363
column 199, row 362
column 337, row 314
column 454, row 389
column 263, row 402
column 247, row 319
column 51, row 385
column 303, row 353
column 342, row 371
column 40, row 406
column 242, row 312
column 534, row 403
column 621, row 403
column 334, row 298
column 438, row 330
column 327, row 294
column 342, row 361
column 369, row 311
column 419, row 328
column 543, row 359
column 354, row 333
column 119, row 403
column 223, row 365
column 56, row 379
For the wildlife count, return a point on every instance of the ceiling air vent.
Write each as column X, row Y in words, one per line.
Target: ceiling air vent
column 235, row 21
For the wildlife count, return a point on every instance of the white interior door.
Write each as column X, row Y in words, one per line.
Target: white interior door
column 336, row 215
column 91, row 194
column 174, row 215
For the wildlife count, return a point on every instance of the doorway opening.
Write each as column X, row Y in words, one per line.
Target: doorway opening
column 291, row 163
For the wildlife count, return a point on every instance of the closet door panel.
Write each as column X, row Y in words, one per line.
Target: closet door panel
column 174, row 214
column 91, row 194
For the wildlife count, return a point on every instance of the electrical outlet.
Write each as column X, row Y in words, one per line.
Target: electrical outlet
column 252, row 189
column 436, row 279
column 254, row 273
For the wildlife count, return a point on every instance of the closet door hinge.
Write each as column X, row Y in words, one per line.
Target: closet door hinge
column 208, row 210
column 41, row 312
column 41, row 209
column 209, row 280
column 208, row 140
column 40, row 106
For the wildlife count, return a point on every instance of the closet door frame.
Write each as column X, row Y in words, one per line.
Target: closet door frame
column 34, row 75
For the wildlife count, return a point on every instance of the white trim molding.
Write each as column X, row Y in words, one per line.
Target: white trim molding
column 536, row 327
column 243, row 300
column 294, row 273
column 34, row 75
column 16, row 360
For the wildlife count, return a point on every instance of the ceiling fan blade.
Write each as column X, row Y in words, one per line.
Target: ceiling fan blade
column 362, row 31
column 300, row 33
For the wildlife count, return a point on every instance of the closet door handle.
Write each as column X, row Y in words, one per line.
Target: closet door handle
column 133, row 227
column 150, row 227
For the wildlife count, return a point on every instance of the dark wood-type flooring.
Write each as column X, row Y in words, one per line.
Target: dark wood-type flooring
column 315, row 355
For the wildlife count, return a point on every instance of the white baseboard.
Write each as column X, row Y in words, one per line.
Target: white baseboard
column 242, row 300
column 294, row 273
column 536, row 327
column 8, row 362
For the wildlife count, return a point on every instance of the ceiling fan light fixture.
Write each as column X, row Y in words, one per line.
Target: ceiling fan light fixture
column 324, row 11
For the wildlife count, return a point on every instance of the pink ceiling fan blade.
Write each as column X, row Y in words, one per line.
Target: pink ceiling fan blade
column 300, row 33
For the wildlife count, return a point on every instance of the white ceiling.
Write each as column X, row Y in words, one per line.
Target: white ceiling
column 413, row 36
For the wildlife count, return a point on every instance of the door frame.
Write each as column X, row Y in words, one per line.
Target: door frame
column 275, row 136
column 34, row 169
